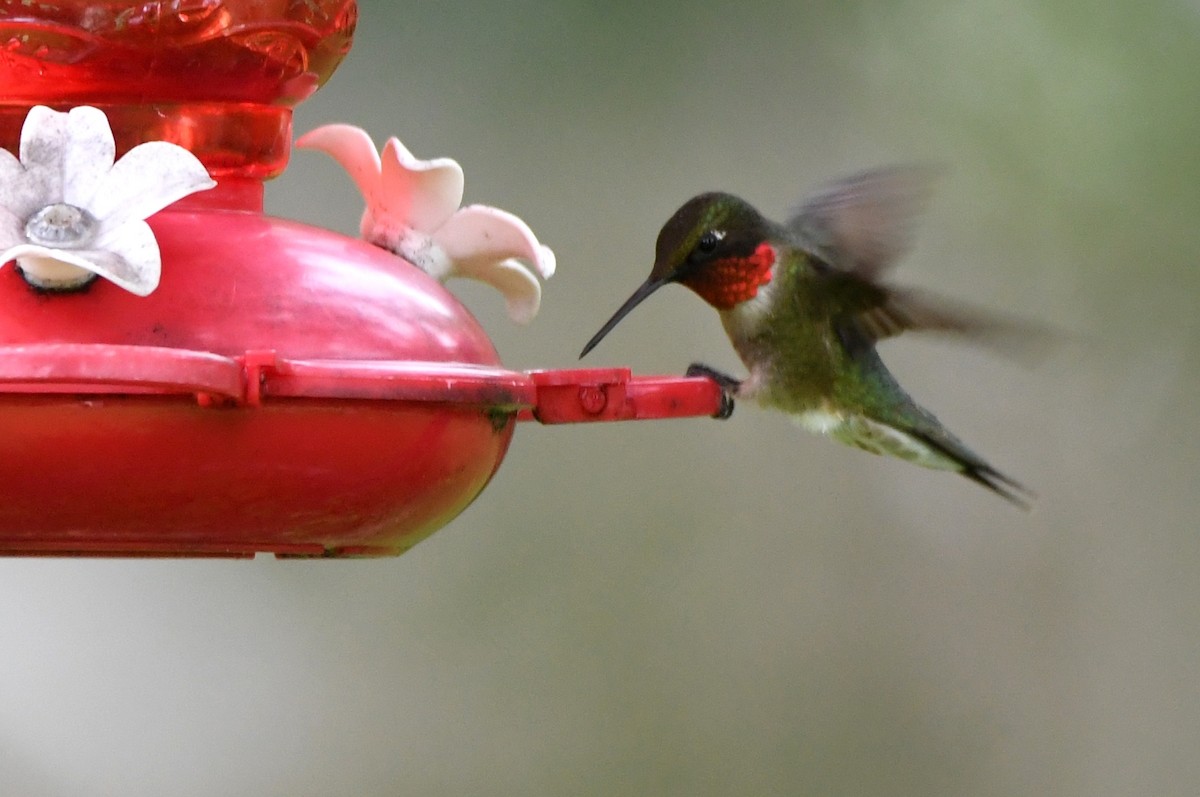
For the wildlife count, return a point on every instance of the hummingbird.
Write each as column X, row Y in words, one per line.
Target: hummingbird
column 804, row 304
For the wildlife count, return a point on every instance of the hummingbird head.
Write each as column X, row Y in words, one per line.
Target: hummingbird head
column 716, row 244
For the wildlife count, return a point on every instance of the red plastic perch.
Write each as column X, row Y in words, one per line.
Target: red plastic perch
column 588, row 395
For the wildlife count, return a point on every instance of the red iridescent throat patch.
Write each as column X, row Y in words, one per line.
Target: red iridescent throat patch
column 729, row 282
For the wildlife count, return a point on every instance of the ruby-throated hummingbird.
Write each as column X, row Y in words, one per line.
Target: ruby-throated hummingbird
column 803, row 304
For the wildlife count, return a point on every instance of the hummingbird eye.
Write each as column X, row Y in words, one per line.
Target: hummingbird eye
column 708, row 241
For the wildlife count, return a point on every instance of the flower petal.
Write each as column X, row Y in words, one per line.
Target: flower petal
column 133, row 277
column 145, row 180
column 353, row 149
column 12, row 228
column 478, row 232
column 10, row 168
column 546, row 263
column 87, row 155
column 43, row 141
column 20, row 192
column 423, row 194
column 521, row 290
column 134, row 245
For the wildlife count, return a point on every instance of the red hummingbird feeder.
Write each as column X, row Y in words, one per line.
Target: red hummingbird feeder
column 285, row 388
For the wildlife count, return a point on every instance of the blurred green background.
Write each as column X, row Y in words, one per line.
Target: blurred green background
column 703, row 608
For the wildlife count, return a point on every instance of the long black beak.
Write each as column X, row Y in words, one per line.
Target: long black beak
column 648, row 287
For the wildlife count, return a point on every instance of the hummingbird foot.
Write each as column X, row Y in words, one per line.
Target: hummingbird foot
column 729, row 387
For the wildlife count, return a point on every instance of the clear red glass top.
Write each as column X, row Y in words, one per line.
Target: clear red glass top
column 218, row 77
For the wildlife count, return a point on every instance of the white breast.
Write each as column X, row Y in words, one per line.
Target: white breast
column 821, row 421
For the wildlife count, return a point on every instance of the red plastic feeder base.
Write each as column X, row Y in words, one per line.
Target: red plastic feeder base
column 187, row 453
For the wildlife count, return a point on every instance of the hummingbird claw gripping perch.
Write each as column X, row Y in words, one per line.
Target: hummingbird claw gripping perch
column 729, row 387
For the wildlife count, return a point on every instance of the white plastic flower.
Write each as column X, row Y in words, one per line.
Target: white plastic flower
column 68, row 213
column 413, row 211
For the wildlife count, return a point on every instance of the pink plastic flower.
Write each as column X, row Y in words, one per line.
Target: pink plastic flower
column 68, row 213
column 413, row 211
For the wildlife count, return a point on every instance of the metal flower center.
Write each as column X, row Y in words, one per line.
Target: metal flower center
column 61, row 226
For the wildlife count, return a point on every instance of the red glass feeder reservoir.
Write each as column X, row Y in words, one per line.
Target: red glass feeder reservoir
column 285, row 389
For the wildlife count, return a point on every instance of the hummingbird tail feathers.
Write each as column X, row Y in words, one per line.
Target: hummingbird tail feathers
column 922, row 441
column 978, row 471
column 1001, row 485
